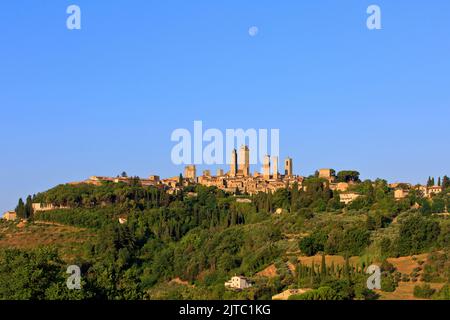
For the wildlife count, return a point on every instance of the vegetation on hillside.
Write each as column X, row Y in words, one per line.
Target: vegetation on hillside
column 205, row 239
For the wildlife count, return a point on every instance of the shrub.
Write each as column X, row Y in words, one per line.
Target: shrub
column 423, row 291
column 387, row 283
column 444, row 293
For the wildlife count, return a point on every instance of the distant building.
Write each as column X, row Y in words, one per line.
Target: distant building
column 154, row 178
column 341, row 186
column 327, row 174
column 429, row 191
column 238, row 283
column 266, row 167
column 41, row 207
column 433, row 190
column 172, row 183
column 275, row 173
column 190, row 172
column 348, row 197
column 10, row 216
column 220, row 173
column 288, row 167
column 234, row 163
column 244, row 161
column 207, row 173
column 400, row 194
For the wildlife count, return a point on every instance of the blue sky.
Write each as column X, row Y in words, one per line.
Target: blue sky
column 106, row 98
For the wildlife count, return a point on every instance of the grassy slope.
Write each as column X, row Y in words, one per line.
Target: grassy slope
column 67, row 239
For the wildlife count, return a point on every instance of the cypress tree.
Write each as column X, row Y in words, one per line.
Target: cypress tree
column 20, row 209
column 445, row 182
column 28, row 207
column 323, row 267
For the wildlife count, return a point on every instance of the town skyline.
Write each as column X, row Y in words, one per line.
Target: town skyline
column 240, row 179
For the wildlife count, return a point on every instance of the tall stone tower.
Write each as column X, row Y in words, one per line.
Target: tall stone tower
column 244, row 161
column 190, row 172
column 275, row 173
column 234, row 163
column 266, row 167
column 288, row 167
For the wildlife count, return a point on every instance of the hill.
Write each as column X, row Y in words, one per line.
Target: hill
column 202, row 236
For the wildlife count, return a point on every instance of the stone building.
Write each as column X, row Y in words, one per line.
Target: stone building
column 266, row 168
column 42, row 207
column 238, row 283
column 288, row 167
column 400, row 193
column 348, row 197
column 275, row 173
column 10, row 216
column 327, row 174
column 234, row 163
column 190, row 172
column 244, row 161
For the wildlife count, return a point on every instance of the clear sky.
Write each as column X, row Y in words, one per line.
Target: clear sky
column 106, row 98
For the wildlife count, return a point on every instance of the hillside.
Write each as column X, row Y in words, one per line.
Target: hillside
column 179, row 246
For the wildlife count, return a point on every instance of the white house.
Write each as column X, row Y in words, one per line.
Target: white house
column 238, row 283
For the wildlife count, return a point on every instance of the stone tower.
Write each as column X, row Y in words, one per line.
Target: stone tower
column 266, row 167
column 244, row 161
column 234, row 163
column 275, row 168
column 288, row 167
column 190, row 172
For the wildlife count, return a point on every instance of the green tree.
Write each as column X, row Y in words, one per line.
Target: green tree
column 29, row 207
column 417, row 234
column 445, row 183
column 20, row 210
column 348, row 176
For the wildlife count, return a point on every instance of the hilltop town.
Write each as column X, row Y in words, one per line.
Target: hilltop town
column 242, row 234
column 239, row 180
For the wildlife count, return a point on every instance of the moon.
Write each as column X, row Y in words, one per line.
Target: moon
column 253, row 31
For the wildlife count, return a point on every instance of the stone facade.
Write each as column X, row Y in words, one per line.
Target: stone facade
column 238, row 283
column 244, row 161
column 288, row 171
column 190, row 172
column 41, row 207
column 349, row 197
column 10, row 216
